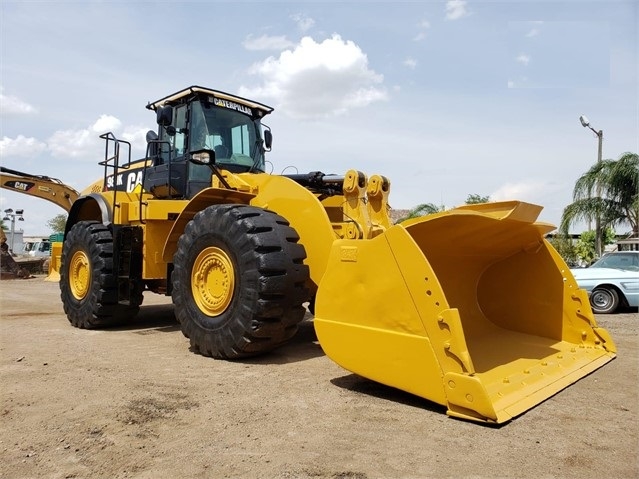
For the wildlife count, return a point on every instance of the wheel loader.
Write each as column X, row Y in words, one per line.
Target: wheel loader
column 470, row 308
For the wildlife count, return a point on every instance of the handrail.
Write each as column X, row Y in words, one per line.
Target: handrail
column 109, row 138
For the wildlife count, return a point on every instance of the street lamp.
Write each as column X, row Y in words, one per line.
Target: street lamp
column 586, row 124
column 9, row 215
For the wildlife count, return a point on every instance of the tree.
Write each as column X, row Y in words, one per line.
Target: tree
column 475, row 199
column 566, row 249
column 3, row 226
column 57, row 223
column 431, row 208
column 422, row 210
column 586, row 249
column 617, row 181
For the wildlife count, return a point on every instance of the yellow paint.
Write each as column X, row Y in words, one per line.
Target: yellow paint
column 470, row 308
column 55, row 262
column 212, row 281
column 79, row 274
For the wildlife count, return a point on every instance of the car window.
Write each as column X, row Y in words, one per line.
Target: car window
column 629, row 262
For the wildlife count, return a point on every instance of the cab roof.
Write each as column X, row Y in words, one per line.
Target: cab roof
column 207, row 91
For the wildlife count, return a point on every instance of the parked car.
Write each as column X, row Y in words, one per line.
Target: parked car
column 611, row 282
column 40, row 249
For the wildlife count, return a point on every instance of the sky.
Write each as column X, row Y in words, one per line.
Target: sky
column 444, row 98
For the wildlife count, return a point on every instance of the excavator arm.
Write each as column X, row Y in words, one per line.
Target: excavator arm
column 50, row 189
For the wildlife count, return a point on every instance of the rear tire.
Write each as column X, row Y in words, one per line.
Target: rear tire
column 239, row 281
column 88, row 286
column 604, row 300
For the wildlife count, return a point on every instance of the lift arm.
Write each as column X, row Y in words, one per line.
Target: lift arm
column 44, row 187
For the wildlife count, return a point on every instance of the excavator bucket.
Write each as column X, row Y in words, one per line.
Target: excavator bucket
column 470, row 308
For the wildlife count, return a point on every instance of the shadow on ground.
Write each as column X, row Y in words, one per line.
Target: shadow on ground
column 161, row 317
column 158, row 317
column 358, row 384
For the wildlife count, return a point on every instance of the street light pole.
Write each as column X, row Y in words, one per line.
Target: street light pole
column 598, row 236
column 11, row 216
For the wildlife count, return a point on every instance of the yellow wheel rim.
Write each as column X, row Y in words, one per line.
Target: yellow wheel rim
column 79, row 274
column 212, row 281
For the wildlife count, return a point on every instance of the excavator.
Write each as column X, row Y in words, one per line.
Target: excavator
column 40, row 186
column 470, row 308
column 46, row 188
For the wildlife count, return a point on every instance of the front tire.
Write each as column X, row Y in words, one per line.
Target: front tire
column 604, row 300
column 88, row 287
column 239, row 281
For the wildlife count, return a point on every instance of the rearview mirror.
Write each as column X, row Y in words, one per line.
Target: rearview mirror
column 268, row 139
column 164, row 115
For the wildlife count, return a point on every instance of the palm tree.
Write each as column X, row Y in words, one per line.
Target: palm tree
column 432, row 208
column 617, row 184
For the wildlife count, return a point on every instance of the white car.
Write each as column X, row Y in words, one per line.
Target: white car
column 611, row 282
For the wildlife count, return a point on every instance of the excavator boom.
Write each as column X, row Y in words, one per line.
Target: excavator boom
column 50, row 189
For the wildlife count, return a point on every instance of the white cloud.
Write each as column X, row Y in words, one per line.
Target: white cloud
column 81, row 143
column 267, row 42
column 304, row 23
column 74, row 144
column 11, row 105
column 136, row 135
column 106, row 123
column 455, row 9
column 523, row 59
column 318, row 80
column 423, row 26
column 410, row 63
column 532, row 33
column 532, row 191
column 86, row 143
column 21, row 146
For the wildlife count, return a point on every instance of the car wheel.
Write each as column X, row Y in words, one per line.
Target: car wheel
column 604, row 300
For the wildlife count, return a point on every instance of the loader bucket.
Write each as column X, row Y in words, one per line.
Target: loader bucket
column 470, row 308
column 54, row 262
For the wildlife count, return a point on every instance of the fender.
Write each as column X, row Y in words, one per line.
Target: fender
column 205, row 198
column 90, row 207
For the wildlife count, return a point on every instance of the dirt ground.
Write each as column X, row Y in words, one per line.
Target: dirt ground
column 134, row 402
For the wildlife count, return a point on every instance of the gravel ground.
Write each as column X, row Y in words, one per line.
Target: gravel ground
column 134, row 402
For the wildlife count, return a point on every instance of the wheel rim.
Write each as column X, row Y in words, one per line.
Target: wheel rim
column 212, row 281
column 79, row 275
column 601, row 299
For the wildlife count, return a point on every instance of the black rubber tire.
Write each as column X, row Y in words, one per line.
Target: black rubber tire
column 604, row 300
column 99, row 307
column 269, row 281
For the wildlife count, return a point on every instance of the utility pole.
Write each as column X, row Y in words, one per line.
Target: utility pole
column 598, row 233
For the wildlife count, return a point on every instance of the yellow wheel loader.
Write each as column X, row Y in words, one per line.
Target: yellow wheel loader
column 470, row 308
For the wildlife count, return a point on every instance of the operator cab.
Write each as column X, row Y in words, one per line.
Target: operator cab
column 226, row 128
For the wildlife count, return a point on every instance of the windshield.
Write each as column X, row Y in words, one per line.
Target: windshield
column 627, row 261
column 234, row 136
